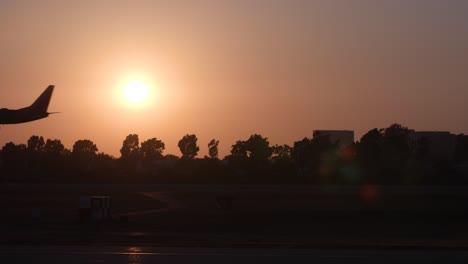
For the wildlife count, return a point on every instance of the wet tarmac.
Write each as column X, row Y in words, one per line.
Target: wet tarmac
column 140, row 255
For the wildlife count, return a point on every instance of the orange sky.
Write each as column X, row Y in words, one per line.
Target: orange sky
column 228, row 69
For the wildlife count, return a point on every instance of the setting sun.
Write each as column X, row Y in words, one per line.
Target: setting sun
column 136, row 92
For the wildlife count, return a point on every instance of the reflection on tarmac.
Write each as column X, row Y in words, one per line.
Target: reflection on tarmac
column 138, row 255
column 135, row 256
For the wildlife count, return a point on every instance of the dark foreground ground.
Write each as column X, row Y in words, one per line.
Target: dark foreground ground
column 141, row 255
column 262, row 218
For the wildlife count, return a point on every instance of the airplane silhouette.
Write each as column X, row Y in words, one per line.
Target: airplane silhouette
column 37, row 110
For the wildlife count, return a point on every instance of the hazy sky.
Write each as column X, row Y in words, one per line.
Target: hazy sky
column 228, row 69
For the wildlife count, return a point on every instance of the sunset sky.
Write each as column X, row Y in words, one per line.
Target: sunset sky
column 228, row 69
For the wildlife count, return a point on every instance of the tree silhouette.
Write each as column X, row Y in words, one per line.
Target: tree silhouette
column 54, row 157
column 258, row 148
column 54, row 147
column 239, row 150
column 13, row 155
column 35, row 149
column 188, row 146
column 84, row 148
column 251, row 156
column 213, row 148
column 395, row 149
column 130, row 147
column 281, row 153
column 382, row 156
column 396, row 142
column 315, row 156
column 370, row 146
column 36, row 144
column 171, row 157
column 384, row 153
column 83, row 154
column 302, row 151
column 152, row 149
column 397, row 130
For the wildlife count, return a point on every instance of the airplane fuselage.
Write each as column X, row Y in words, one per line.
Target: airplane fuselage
column 22, row 115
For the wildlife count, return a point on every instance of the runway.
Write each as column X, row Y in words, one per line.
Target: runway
column 141, row 255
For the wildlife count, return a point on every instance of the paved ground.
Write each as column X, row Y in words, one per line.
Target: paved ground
column 137, row 255
column 265, row 215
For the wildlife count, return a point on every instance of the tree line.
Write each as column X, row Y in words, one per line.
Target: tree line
column 381, row 156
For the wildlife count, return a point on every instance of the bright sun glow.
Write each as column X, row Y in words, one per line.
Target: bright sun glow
column 136, row 92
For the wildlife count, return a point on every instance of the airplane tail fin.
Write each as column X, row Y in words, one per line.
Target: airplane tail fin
column 42, row 102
